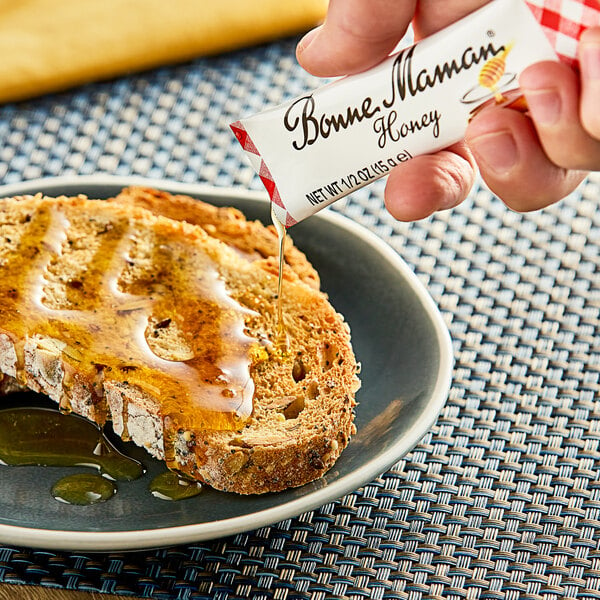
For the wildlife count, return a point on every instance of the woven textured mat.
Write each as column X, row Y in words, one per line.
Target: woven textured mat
column 501, row 499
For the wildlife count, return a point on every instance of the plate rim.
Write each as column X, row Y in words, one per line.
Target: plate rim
column 104, row 541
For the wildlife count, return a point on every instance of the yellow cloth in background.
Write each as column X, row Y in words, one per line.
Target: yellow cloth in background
column 50, row 45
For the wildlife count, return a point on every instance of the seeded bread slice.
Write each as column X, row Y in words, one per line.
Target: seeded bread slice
column 303, row 399
column 228, row 224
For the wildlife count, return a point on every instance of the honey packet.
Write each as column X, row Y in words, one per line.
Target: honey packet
column 323, row 145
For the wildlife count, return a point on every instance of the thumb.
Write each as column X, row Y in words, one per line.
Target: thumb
column 356, row 35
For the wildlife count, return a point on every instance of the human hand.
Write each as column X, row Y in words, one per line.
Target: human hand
column 528, row 161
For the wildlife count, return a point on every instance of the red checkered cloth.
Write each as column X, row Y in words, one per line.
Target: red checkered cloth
column 564, row 21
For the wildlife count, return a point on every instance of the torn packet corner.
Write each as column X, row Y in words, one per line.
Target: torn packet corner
column 262, row 170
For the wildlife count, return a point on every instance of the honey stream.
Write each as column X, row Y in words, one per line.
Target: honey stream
column 282, row 341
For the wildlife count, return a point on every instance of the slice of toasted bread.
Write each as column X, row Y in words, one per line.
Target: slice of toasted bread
column 120, row 314
column 228, row 224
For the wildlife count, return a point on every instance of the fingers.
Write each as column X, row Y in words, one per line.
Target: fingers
column 552, row 91
column 425, row 184
column 513, row 164
column 533, row 162
column 528, row 161
column 356, row 35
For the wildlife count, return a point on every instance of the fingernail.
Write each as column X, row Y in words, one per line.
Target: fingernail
column 545, row 105
column 306, row 41
column 590, row 60
column 496, row 152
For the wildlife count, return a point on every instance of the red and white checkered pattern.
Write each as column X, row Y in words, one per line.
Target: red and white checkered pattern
column 263, row 172
column 564, row 21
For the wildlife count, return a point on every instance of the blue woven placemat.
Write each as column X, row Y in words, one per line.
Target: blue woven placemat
column 501, row 499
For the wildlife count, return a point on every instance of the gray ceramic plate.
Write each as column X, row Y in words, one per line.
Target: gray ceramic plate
column 398, row 336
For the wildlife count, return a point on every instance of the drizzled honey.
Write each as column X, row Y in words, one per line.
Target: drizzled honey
column 106, row 323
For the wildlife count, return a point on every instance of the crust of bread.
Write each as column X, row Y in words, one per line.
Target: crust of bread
column 252, row 239
column 303, row 406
